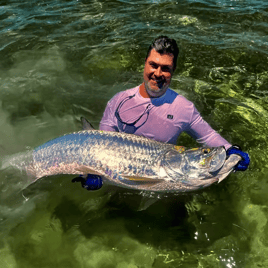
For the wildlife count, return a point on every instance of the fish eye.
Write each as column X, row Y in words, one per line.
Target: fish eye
column 206, row 151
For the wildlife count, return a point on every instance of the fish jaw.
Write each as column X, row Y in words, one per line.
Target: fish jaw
column 228, row 167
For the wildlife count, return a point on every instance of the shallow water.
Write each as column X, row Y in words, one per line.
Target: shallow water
column 64, row 59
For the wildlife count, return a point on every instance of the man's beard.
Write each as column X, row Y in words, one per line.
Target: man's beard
column 152, row 92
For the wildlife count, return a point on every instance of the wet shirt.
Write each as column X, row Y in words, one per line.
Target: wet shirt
column 162, row 119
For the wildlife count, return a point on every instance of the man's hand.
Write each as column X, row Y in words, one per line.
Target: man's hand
column 89, row 181
column 244, row 163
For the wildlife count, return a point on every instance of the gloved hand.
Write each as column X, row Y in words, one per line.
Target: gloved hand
column 244, row 163
column 89, row 181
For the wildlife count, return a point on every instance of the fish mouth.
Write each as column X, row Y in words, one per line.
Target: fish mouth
column 217, row 159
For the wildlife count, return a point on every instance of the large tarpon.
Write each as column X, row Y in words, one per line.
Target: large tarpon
column 126, row 160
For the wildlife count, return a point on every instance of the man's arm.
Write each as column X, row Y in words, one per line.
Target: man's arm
column 108, row 121
column 205, row 134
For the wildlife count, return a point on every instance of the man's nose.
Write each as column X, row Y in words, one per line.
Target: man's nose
column 158, row 71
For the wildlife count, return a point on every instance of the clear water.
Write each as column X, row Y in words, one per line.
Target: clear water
column 64, row 59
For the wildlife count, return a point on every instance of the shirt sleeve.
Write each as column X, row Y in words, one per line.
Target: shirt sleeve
column 200, row 130
column 108, row 121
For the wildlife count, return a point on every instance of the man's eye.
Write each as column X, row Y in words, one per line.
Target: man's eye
column 166, row 69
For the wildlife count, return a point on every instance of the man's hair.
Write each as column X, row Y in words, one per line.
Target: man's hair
column 164, row 45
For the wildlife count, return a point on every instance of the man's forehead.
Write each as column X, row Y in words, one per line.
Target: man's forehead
column 164, row 58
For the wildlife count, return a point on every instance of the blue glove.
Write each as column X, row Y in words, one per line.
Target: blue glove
column 244, row 163
column 89, row 182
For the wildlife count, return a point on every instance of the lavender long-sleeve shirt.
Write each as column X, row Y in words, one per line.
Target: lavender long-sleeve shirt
column 162, row 119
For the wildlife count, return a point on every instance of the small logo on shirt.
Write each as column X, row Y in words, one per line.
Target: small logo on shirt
column 169, row 116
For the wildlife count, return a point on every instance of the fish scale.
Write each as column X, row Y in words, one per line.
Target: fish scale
column 118, row 151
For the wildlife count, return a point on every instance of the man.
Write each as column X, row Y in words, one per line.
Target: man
column 155, row 111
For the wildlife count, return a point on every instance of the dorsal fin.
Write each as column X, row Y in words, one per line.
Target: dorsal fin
column 85, row 124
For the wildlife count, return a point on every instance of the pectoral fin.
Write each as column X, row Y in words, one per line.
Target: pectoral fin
column 143, row 179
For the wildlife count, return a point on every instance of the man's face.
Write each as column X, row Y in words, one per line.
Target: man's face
column 157, row 73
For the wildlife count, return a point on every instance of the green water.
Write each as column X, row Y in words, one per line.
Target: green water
column 61, row 60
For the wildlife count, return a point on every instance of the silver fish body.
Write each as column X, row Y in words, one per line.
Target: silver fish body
column 126, row 160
